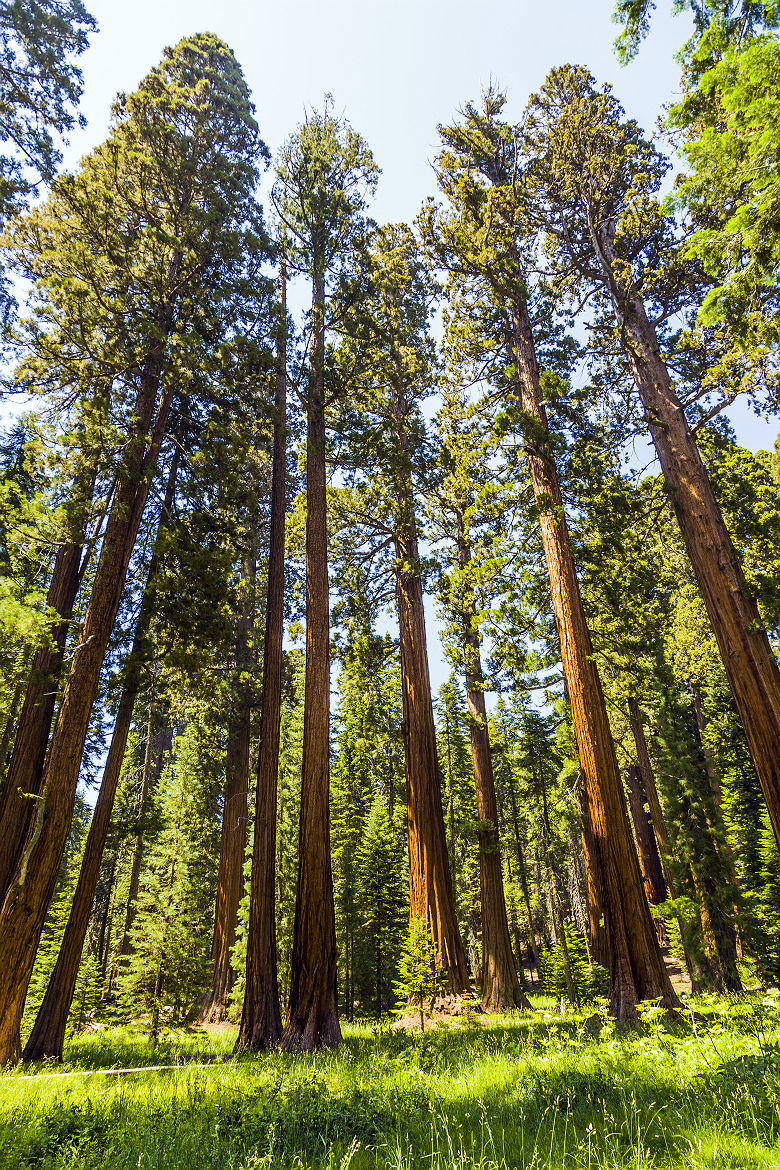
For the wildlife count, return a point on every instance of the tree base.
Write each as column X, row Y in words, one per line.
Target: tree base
column 213, row 1011
column 311, row 1035
column 497, row 1000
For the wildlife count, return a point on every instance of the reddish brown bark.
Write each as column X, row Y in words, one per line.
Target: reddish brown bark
column 235, row 812
column 430, row 880
column 23, row 779
column 599, row 946
column 636, row 966
column 750, row 665
column 261, row 1019
column 649, row 857
column 312, row 1014
column 24, row 909
column 501, row 990
column 48, row 1033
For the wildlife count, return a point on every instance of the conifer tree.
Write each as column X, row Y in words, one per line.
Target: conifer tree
column 170, row 933
column 40, row 84
column 323, row 173
column 381, row 900
column 188, row 286
column 594, row 178
column 261, row 1022
column 389, row 359
column 464, row 457
column 487, row 237
column 48, row 1033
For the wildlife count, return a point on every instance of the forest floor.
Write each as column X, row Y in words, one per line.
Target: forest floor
column 482, row 1093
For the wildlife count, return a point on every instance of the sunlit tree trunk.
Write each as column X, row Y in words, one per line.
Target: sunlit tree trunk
column 430, row 880
column 312, row 1015
column 750, row 665
column 261, row 1020
column 636, row 965
column 25, row 769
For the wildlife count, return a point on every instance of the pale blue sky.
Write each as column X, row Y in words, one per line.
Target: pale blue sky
column 396, row 68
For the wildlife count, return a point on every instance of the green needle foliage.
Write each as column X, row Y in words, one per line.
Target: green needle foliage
column 419, row 973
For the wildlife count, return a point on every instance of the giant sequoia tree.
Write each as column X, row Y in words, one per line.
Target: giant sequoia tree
column 261, row 1021
column 594, row 182
column 323, row 173
column 465, row 504
column 173, row 269
column 487, row 239
column 390, row 361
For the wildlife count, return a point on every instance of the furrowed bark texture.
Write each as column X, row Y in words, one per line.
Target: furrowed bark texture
column 312, row 1015
column 17, row 811
column 599, row 945
column 501, row 990
column 649, row 857
column 48, row 1034
column 261, row 1019
column 430, row 880
column 24, row 908
column 636, row 966
column 235, row 811
column 747, row 657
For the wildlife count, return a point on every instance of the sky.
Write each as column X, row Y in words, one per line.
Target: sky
column 395, row 69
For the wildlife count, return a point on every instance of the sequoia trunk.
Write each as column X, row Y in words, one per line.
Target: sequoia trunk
column 430, row 880
column 24, row 908
column 501, row 990
column 261, row 1020
column 23, row 780
column 312, row 1015
column 235, row 811
column 747, row 657
column 636, row 965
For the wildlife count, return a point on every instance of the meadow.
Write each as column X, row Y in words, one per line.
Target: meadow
column 534, row 1090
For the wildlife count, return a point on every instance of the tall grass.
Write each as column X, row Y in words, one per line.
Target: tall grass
column 517, row 1091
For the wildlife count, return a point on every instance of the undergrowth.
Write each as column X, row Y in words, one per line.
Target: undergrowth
column 533, row 1090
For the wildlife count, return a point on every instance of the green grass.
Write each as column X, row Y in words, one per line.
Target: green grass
column 516, row 1091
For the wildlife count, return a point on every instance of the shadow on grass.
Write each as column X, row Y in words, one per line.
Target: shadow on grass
column 522, row 1092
